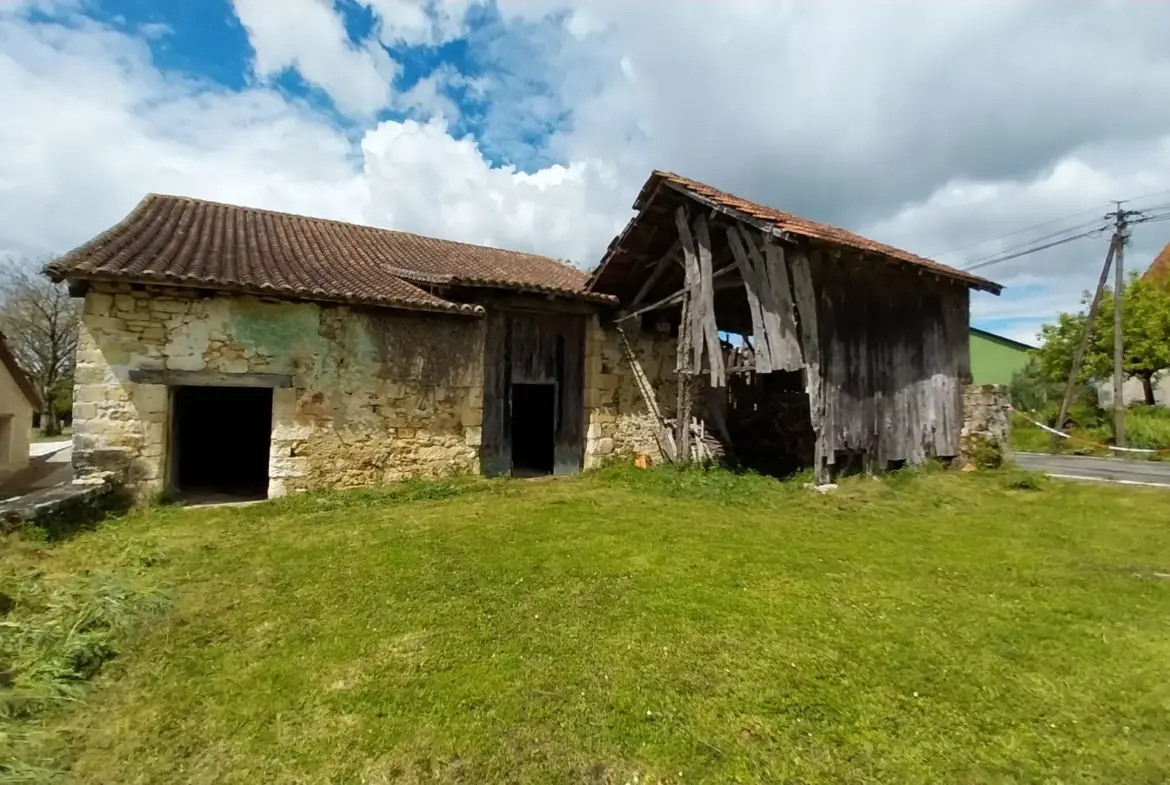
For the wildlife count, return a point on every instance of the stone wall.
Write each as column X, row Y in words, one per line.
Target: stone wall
column 617, row 419
column 987, row 419
column 377, row 395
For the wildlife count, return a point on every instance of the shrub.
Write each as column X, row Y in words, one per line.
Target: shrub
column 1148, row 427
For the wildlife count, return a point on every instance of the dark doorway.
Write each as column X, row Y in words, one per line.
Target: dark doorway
column 219, row 442
column 533, row 428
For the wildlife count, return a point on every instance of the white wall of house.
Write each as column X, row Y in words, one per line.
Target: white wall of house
column 1134, row 393
column 15, row 425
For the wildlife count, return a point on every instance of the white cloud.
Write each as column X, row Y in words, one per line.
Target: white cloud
column 422, row 179
column 100, row 127
column 310, row 37
column 930, row 125
column 416, row 22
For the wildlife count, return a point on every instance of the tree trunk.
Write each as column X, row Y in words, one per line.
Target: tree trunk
column 51, row 421
column 1148, row 388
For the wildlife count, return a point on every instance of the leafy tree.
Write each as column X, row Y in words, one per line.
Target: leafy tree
column 1145, row 330
column 40, row 320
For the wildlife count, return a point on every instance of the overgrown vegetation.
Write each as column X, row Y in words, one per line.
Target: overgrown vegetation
column 676, row 626
column 57, row 634
column 1146, row 306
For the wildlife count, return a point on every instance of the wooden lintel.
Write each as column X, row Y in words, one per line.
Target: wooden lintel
column 209, row 378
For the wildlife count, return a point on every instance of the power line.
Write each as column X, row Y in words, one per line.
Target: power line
column 1033, row 241
column 1020, row 231
column 1145, row 196
column 1026, row 252
column 1054, row 221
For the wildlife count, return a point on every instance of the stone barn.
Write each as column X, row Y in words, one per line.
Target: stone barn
column 239, row 353
column 229, row 352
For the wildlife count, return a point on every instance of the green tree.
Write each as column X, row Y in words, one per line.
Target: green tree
column 1145, row 331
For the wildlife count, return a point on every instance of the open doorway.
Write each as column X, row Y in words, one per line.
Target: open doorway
column 533, row 429
column 219, row 442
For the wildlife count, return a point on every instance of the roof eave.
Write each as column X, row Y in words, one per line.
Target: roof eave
column 458, row 309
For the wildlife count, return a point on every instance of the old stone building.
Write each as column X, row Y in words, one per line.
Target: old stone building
column 229, row 351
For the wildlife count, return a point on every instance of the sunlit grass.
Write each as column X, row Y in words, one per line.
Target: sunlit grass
column 677, row 626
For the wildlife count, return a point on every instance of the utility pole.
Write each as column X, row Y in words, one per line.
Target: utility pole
column 1120, row 236
column 1079, row 356
column 1116, row 244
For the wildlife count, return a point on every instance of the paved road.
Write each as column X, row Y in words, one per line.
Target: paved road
column 37, row 449
column 1115, row 470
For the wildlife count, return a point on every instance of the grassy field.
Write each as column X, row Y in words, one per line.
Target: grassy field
column 673, row 627
column 39, row 435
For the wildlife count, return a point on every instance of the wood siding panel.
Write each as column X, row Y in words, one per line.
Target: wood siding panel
column 530, row 347
column 495, row 452
column 893, row 360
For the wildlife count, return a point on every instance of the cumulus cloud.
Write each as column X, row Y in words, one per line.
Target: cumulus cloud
column 933, row 126
column 310, row 37
column 100, row 127
column 927, row 125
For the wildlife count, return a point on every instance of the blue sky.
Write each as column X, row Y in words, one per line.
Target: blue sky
column 531, row 124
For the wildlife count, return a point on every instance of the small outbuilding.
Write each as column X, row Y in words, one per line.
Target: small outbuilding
column 19, row 400
column 230, row 352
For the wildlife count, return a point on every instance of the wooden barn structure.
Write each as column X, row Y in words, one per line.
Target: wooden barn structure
column 796, row 343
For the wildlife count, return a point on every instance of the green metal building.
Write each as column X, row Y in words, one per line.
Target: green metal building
column 994, row 358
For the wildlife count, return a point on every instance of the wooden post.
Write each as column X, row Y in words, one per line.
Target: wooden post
column 1079, row 355
column 1119, row 335
column 707, row 330
column 683, row 349
column 806, row 309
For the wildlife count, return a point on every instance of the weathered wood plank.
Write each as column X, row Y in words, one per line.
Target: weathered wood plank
column 709, row 329
column 569, row 447
column 685, row 336
column 751, row 287
column 495, row 452
column 805, row 296
column 785, row 347
column 768, row 306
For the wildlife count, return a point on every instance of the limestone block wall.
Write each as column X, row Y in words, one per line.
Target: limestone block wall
column 987, row 417
column 377, row 395
column 617, row 419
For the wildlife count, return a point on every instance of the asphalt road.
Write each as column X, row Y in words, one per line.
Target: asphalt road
column 1116, row 470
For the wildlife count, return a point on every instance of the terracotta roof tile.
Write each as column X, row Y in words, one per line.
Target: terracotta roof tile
column 1160, row 267
column 189, row 242
column 792, row 224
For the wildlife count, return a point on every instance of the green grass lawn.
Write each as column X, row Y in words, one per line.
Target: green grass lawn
column 39, row 436
column 676, row 627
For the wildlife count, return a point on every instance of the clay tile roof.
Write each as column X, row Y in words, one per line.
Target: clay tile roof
column 190, row 242
column 792, row 224
column 1160, row 267
column 8, row 360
